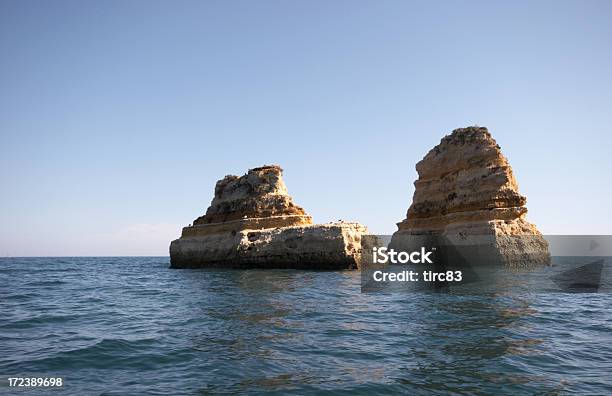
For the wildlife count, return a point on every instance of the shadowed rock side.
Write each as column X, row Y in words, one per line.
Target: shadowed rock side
column 466, row 195
column 252, row 222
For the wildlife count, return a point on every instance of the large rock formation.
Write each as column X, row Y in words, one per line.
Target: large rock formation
column 466, row 195
column 253, row 222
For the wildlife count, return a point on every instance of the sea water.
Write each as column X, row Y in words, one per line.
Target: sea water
column 131, row 326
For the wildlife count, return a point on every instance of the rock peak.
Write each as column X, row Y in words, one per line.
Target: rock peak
column 273, row 168
column 260, row 193
column 466, row 172
column 473, row 130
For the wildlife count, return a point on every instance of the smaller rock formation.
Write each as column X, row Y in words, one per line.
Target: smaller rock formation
column 252, row 222
column 260, row 194
column 466, row 195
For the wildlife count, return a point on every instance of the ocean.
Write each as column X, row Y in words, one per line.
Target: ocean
column 132, row 326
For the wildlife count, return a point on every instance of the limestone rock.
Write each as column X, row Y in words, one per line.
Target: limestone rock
column 466, row 194
column 261, row 193
column 252, row 222
column 329, row 247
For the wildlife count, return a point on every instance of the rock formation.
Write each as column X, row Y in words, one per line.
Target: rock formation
column 466, row 195
column 260, row 194
column 252, row 222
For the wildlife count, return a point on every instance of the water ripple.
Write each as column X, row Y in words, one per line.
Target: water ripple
column 133, row 326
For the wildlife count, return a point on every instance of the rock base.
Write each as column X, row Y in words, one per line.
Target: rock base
column 334, row 246
column 485, row 243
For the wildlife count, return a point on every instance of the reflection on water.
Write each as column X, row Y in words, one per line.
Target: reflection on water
column 134, row 326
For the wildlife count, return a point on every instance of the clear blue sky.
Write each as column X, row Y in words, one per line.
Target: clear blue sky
column 117, row 117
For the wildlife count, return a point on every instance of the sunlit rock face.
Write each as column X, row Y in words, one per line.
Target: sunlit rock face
column 252, row 222
column 466, row 194
column 259, row 194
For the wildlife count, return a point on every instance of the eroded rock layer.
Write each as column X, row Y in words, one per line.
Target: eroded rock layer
column 261, row 193
column 253, row 222
column 324, row 247
column 467, row 194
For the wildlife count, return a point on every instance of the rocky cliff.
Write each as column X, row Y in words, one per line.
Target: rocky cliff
column 252, row 221
column 467, row 194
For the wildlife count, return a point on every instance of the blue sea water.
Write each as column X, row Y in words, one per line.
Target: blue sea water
column 132, row 326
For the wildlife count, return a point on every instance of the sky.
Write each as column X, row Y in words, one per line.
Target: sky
column 118, row 117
